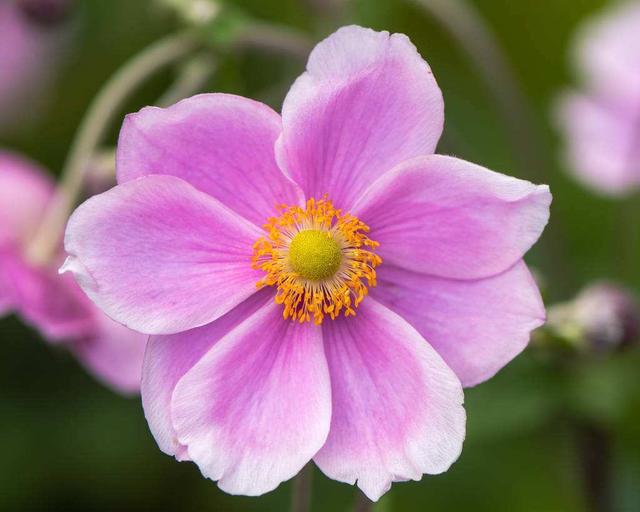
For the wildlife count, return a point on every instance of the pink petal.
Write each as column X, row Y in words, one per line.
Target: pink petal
column 51, row 303
column 168, row 358
column 443, row 216
column 113, row 354
column 6, row 295
column 397, row 407
column 607, row 50
column 56, row 306
column 220, row 143
column 159, row 256
column 367, row 102
column 257, row 406
column 478, row 326
column 602, row 142
column 25, row 191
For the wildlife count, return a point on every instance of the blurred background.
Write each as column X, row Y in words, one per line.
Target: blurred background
column 543, row 435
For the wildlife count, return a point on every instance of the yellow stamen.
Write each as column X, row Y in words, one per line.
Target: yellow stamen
column 320, row 260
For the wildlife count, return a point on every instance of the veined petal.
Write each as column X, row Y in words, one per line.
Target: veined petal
column 397, row 407
column 220, row 143
column 443, row 216
column 477, row 326
column 367, row 102
column 159, row 256
column 168, row 358
column 256, row 408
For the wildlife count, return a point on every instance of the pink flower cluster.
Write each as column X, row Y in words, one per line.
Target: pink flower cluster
column 402, row 269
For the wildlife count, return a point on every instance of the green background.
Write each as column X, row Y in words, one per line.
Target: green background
column 69, row 444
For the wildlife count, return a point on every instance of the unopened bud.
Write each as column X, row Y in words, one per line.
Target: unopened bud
column 602, row 318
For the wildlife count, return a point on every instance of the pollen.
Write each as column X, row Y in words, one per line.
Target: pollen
column 320, row 260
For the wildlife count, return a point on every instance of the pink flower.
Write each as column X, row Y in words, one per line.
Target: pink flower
column 602, row 123
column 363, row 379
column 54, row 304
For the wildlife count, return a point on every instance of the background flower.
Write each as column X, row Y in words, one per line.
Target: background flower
column 51, row 303
column 601, row 122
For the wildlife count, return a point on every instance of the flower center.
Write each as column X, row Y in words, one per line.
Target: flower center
column 320, row 260
column 314, row 254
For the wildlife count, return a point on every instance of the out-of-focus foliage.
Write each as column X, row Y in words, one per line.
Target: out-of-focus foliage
column 71, row 445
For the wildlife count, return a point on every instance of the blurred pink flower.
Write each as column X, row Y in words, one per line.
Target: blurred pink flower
column 602, row 122
column 28, row 51
column 366, row 380
column 51, row 303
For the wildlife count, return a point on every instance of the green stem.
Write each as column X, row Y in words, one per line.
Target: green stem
column 273, row 38
column 301, row 490
column 98, row 118
column 594, row 452
column 467, row 27
column 192, row 78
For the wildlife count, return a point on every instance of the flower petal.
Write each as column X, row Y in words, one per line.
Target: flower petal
column 51, row 303
column 168, row 358
column 114, row 354
column 397, row 407
column 25, row 191
column 6, row 295
column 367, row 102
column 601, row 138
column 159, row 256
column 257, row 406
column 443, row 216
column 606, row 51
column 220, row 143
column 477, row 326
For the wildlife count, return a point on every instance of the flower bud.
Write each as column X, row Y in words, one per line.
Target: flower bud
column 602, row 318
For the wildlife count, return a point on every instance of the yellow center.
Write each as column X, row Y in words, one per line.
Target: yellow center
column 320, row 260
column 314, row 254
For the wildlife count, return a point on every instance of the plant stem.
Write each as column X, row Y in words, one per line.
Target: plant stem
column 274, row 38
column 301, row 490
column 92, row 129
column 468, row 28
column 594, row 451
column 191, row 79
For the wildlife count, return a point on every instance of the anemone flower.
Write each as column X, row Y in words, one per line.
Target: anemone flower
column 601, row 122
column 51, row 303
column 318, row 285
